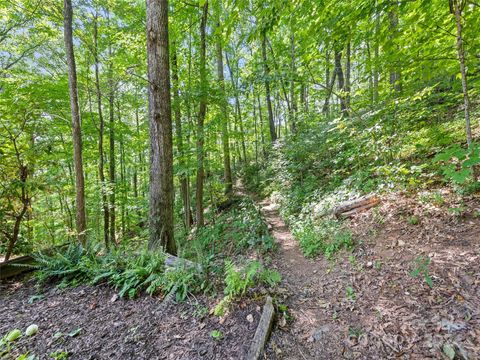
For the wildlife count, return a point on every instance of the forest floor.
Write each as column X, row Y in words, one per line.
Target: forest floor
column 91, row 322
column 367, row 304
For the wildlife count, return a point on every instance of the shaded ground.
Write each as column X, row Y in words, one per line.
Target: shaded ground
column 113, row 328
column 367, row 304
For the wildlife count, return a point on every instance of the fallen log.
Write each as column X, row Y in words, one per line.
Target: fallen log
column 349, row 208
column 263, row 331
column 16, row 266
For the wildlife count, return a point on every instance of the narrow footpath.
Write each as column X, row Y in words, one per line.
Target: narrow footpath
column 301, row 333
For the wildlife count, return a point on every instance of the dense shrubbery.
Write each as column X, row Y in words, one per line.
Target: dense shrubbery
column 390, row 148
column 226, row 235
column 128, row 272
column 229, row 233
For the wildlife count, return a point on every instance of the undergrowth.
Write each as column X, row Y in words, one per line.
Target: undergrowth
column 238, row 279
column 226, row 236
column 229, row 233
column 129, row 273
column 404, row 144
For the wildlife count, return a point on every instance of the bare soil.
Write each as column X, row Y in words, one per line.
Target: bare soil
column 367, row 304
column 93, row 323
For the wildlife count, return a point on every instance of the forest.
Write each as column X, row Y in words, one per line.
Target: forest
column 239, row 179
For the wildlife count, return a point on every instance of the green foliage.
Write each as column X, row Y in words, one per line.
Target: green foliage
column 458, row 163
column 230, row 233
column 59, row 355
column 326, row 238
column 216, row 334
column 7, row 340
column 239, row 280
column 350, row 294
column 127, row 272
column 421, row 268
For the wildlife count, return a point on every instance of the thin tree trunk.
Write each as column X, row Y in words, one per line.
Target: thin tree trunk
column 159, row 106
column 184, row 188
column 341, row 82
column 376, row 55
column 348, row 71
column 101, row 130
column 135, row 166
column 238, row 112
column 330, row 83
column 457, row 11
column 293, row 99
column 371, row 90
column 81, row 219
column 271, row 121
column 227, row 170
column 201, row 118
column 122, row 182
column 260, row 116
column 111, row 163
column 255, row 128
column 394, row 73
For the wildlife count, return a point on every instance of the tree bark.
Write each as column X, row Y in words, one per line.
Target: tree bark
column 260, row 117
column 111, row 171
column 101, row 131
column 159, row 106
column 457, row 12
column 184, row 188
column 202, row 111
column 394, row 73
column 238, row 111
column 330, row 83
column 341, row 82
column 81, row 219
column 293, row 70
column 271, row 121
column 348, row 72
column 227, row 170
column 376, row 54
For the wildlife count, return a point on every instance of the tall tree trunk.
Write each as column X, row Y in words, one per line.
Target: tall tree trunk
column 341, row 82
column 202, row 111
column 238, row 111
column 123, row 188
column 101, row 131
column 111, row 171
column 376, row 54
column 293, row 70
column 255, row 127
column 371, row 90
column 394, row 72
column 260, row 117
column 136, row 165
column 348, row 72
column 81, row 218
column 330, row 83
column 227, row 171
column 271, row 121
column 184, row 188
column 159, row 106
column 456, row 7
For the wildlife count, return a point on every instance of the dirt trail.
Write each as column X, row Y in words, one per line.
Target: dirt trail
column 300, row 275
column 366, row 304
